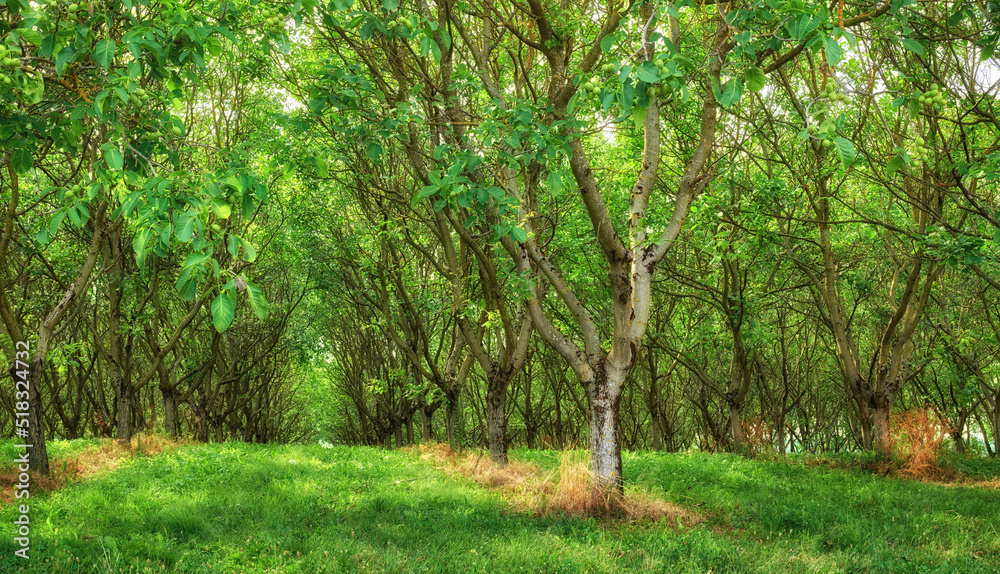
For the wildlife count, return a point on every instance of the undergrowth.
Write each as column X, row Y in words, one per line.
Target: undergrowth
column 73, row 461
column 259, row 509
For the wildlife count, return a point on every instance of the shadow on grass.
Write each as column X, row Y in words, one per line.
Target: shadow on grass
column 250, row 508
column 892, row 521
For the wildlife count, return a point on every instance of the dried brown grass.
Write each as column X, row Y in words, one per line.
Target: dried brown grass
column 917, row 437
column 565, row 490
column 96, row 460
column 758, row 433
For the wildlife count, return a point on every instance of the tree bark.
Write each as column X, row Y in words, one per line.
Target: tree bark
column 605, row 435
column 38, row 454
column 496, row 415
column 169, row 411
column 426, row 427
column 452, row 412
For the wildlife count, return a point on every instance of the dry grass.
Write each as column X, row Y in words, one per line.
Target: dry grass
column 563, row 491
column 758, row 433
column 100, row 459
column 916, row 441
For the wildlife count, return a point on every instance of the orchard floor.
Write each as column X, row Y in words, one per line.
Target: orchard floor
column 245, row 508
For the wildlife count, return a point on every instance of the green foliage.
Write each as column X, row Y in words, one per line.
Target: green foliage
column 126, row 70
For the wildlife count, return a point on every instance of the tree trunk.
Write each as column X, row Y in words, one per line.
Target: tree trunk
column 452, row 413
column 656, row 429
column 530, row 427
column 169, row 411
column 779, row 428
column 220, row 426
column 605, row 437
column 38, row 454
column 992, row 404
column 996, row 433
column 560, row 440
column 124, row 392
column 116, row 344
column 426, row 429
column 496, row 416
column 653, row 404
column 736, row 425
column 881, row 435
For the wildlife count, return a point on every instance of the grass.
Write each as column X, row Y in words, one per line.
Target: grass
column 249, row 508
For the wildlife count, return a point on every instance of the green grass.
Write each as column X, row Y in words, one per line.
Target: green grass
column 56, row 448
column 246, row 508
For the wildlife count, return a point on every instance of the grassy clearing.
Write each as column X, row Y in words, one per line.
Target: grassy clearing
column 250, row 508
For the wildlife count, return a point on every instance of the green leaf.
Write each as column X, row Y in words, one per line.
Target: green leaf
column 221, row 210
column 185, row 226
column 755, row 79
column 895, row 164
column 195, row 259
column 373, row 151
column 648, row 72
column 48, row 46
column 638, row 116
column 56, row 221
column 247, row 205
column 213, row 45
column 731, row 94
column 608, row 41
column 803, row 26
column 34, row 90
column 223, row 311
column 187, row 283
column 321, row 168
column 113, row 157
column 139, row 242
column 915, row 47
column 554, row 180
column 518, row 234
column 235, row 183
column 74, row 216
column 250, row 251
column 845, row 149
column 833, row 51
column 257, row 301
column 66, row 55
column 104, row 52
column 436, row 52
column 21, row 158
column 29, row 35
